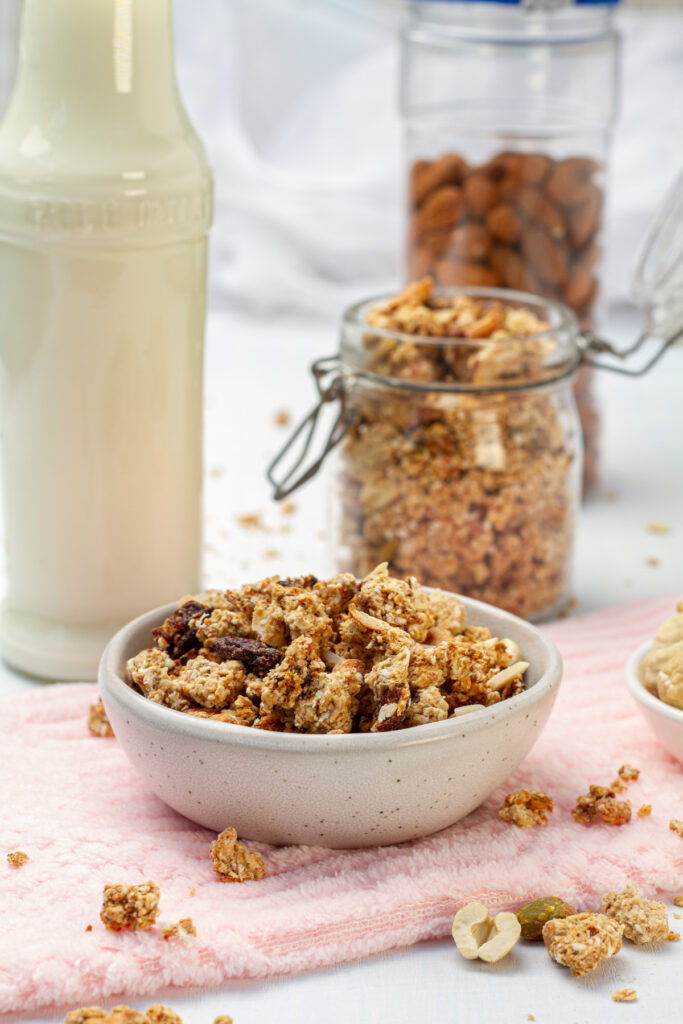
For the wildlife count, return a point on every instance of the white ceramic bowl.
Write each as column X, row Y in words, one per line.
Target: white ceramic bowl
column 354, row 790
column 665, row 721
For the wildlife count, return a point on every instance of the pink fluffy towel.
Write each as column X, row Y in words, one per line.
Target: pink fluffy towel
column 73, row 803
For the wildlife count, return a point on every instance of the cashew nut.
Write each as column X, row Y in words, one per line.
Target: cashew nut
column 477, row 936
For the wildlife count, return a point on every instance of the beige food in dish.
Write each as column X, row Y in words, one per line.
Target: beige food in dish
column 327, row 656
column 661, row 670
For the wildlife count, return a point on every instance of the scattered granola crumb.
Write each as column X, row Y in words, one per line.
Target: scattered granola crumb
column 216, row 471
column 287, row 508
column 677, row 916
column 655, row 526
column 645, row 811
column 582, row 941
column 181, row 930
column 232, row 862
column 98, row 723
column 223, row 1019
column 159, row 1014
column 601, row 801
column 191, row 890
column 88, row 927
column 130, row 907
column 643, row 920
column 654, row 562
column 250, row 521
column 526, row 809
column 625, row 995
column 678, row 901
column 271, row 553
column 282, row 418
column 121, row 1015
column 530, row 1016
column 676, row 825
column 568, row 608
column 17, row 858
column 673, row 937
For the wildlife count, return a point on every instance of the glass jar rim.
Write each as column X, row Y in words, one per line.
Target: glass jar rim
column 564, row 330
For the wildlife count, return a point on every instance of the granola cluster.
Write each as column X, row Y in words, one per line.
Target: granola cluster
column 233, row 862
column 582, row 941
column 327, row 656
column 156, row 1014
column 98, row 723
column 526, row 808
column 17, row 858
column 643, row 920
column 182, row 929
column 471, row 488
column 661, row 670
column 130, row 907
column 601, row 801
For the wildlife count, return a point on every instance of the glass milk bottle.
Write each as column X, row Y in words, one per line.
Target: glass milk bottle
column 105, row 205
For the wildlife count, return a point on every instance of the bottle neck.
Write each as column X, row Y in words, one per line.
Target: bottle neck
column 110, row 59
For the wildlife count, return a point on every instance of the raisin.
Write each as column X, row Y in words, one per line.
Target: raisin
column 179, row 632
column 305, row 582
column 256, row 656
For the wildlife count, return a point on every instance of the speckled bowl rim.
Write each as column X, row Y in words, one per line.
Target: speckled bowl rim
column 178, row 722
column 643, row 696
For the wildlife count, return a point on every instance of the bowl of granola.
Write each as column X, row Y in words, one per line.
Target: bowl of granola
column 654, row 677
column 340, row 712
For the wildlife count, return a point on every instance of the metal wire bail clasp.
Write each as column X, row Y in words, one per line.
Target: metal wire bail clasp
column 333, row 385
column 592, row 345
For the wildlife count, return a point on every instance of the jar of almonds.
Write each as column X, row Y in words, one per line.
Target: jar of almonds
column 460, row 458
column 508, row 109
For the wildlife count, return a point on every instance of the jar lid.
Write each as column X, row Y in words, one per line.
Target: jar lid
column 658, row 273
column 534, row 5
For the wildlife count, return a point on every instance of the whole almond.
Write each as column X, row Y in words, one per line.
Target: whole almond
column 584, row 218
column 437, row 242
column 539, row 209
column 469, row 243
column 473, row 274
column 504, row 224
column 566, row 178
column 535, row 168
column 547, row 257
column 426, row 177
column 441, row 209
column 579, row 289
column 480, row 193
column 509, row 266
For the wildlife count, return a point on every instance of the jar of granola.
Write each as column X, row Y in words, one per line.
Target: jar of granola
column 508, row 108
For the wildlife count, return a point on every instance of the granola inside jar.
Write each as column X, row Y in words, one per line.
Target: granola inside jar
column 462, row 464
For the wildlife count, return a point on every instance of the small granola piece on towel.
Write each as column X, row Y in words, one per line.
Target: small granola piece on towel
column 643, row 920
column 601, row 801
column 98, row 723
column 582, row 941
column 232, row 862
column 17, row 858
column 180, row 930
column 130, row 907
column 526, row 808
